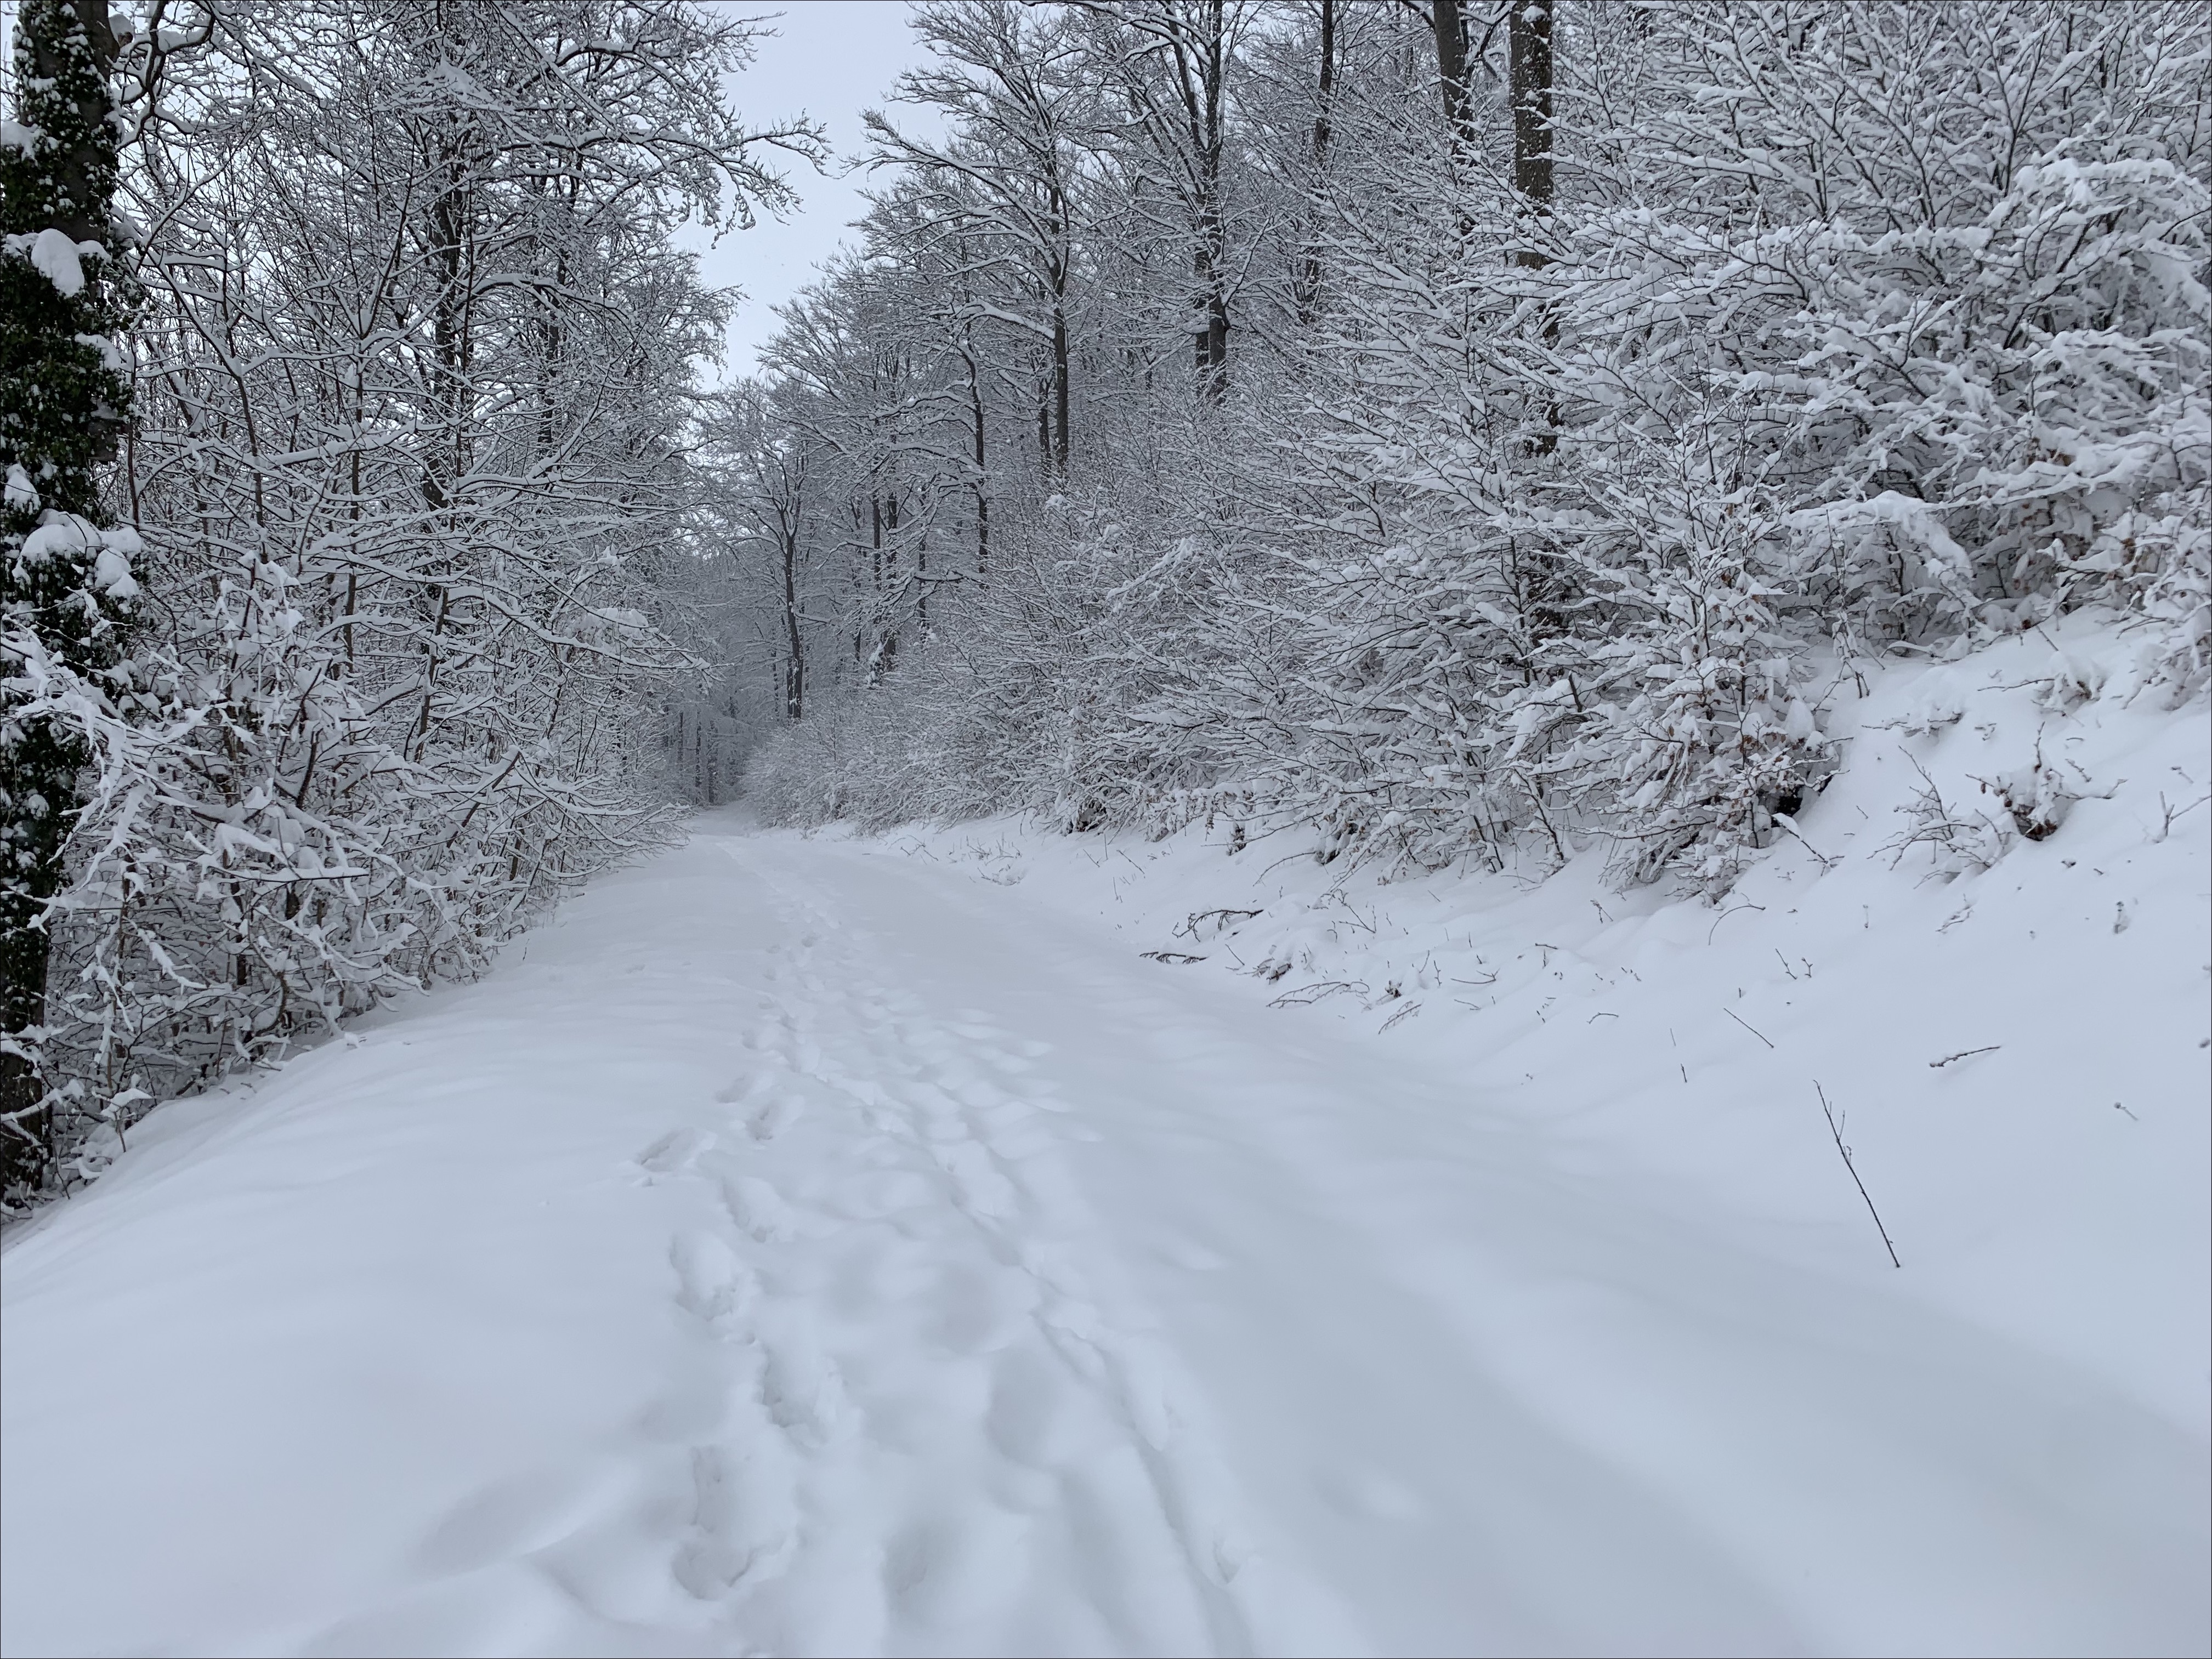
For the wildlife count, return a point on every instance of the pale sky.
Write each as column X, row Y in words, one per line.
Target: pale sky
column 831, row 60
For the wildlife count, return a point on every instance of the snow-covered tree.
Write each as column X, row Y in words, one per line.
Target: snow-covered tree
column 65, row 580
column 1611, row 367
column 415, row 390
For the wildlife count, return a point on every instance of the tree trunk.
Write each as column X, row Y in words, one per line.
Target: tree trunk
column 1044, row 429
column 1205, row 102
column 1060, row 385
column 1212, row 341
column 1309, row 278
column 982, row 486
column 794, row 662
column 1529, row 36
column 1450, row 23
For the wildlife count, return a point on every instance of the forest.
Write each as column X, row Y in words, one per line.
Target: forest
column 1388, row 833
column 1438, row 434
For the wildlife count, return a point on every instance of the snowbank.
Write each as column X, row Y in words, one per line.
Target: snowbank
column 2008, row 1013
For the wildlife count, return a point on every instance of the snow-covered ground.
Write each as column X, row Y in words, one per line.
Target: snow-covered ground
column 828, row 1246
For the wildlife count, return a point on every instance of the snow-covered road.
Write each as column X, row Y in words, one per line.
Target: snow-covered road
column 802, row 1249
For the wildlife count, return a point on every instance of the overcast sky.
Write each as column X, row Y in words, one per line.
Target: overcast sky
column 831, row 60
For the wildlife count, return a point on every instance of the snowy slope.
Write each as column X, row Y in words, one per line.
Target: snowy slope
column 2021, row 1051
column 824, row 1246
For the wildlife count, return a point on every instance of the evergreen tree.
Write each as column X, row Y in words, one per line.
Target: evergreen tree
column 63, row 584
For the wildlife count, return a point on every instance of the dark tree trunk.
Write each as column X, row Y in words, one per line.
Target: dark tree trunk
column 1212, row 341
column 794, row 661
column 888, row 581
column 1450, row 21
column 1060, row 387
column 1309, row 278
column 983, row 484
column 1529, row 41
column 1204, row 101
column 1044, row 428
column 1529, row 37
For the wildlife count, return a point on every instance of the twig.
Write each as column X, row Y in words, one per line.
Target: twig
column 1836, row 1130
column 1964, row 1054
column 2118, row 1107
column 1599, row 1015
column 1761, row 1035
column 2173, row 812
column 1175, row 957
column 1190, row 924
column 1790, row 824
column 1315, row 992
column 1724, row 915
column 1346, row 904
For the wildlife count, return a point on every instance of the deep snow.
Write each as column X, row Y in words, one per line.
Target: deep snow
column 820, row 1245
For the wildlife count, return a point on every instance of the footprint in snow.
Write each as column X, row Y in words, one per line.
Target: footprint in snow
column 674, row 1153
column 746, row 1088
column 712, row 1283
column 757, row 1208
column 803, row 1392
column 744, row 1520
column 772, row 1119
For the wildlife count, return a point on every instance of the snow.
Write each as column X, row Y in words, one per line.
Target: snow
column 66, row 535
column 824, row 1245
column 54, row 253
column 63, row 535
column 111, row 572
column 21, row 493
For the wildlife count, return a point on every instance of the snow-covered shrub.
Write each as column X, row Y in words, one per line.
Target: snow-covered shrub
column 1951, row 261
column 1697, row 735
column 1949, row 839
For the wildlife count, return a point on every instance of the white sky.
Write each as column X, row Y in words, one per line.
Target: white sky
column 831, row 60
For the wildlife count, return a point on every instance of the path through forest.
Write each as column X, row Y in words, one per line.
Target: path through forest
column 798, row 1247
